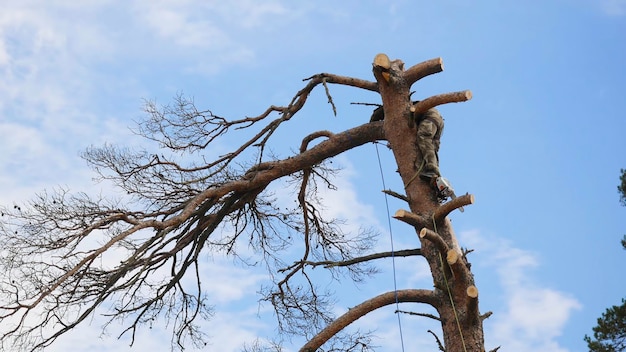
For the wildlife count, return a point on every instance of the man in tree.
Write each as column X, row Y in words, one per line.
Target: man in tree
column 179, row 208
column 429, row 132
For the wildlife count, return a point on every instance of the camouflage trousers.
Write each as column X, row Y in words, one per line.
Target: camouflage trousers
column 429, row 133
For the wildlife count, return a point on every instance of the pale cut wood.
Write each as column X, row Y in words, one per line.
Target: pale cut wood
column 434, row 237
column 446, row 208
column 409, row 218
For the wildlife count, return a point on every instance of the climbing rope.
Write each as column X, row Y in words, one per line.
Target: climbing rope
column 393, row 261
column 445, row 280
column 393, row 258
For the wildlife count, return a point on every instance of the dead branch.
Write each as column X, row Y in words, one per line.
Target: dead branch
column 400, row 253
column 439, row 344
column 311, row 137
column 343, row 80
column 181, row 205
column 330, row 98
column 401, row 296
column 188, row 224
column 396, row 195
column 486, row 315
column 425, row 315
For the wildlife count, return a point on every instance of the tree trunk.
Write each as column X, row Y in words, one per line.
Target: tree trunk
column 457, row 302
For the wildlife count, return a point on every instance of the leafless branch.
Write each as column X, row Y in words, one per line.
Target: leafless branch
column 426, row 315
column 401, row 253
column 402, row 296
column 181, row 207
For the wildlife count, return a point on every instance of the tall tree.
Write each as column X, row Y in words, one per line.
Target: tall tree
column 57, row 268
column 610, row 333
column 621, row 188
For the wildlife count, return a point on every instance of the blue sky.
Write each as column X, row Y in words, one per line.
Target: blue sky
column 539, row 145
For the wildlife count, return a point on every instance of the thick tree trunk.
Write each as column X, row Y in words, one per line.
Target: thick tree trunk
column 457, row 301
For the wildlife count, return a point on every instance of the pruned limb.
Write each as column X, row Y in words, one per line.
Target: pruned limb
column 396, row 195
column 434, row 237
column 472, row 304
column 442, row 211
column 495, row 349
column 410, row 218
column 425, row 315
column 423, row 69
column 385, row 299
column 456, row 97
column 460, row 267
column 382, row 64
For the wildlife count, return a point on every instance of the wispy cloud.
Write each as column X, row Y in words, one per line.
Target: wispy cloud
column 614, row 7
column 533, row 316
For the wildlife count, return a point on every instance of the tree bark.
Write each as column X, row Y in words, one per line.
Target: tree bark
column 457, row 296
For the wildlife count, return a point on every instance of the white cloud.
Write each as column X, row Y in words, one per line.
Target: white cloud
column 177, row 21
column 344, row 203
column 534, row 316
column 219, row 31
column 225, row 283
column 614, row 7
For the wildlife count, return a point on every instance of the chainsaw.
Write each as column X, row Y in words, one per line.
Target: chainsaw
column 445, row 189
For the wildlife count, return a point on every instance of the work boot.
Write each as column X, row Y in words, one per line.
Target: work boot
column 430, row 171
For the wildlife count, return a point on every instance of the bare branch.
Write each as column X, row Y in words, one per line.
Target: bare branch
column 330, row 98
column 401, row 296
column 426, row 315
column 401, row 253
column 346, row 81
column 439, row 344
column 396, row 195
column 136, row 258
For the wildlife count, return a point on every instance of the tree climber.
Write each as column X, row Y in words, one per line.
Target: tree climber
column 429, row 130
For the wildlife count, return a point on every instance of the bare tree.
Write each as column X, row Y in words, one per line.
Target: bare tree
column 57, row 250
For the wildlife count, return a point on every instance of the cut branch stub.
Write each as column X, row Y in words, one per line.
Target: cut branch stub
column 382, row 64
column 472, row 304
column 410, row 218
column 442, row 211
column 456, row 264
column 434, row 237
column 440, row 99
column 423, row 69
